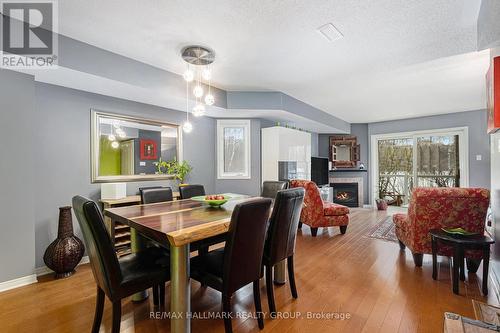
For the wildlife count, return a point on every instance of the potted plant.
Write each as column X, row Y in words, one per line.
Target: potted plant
column 173, row 167
column 382, row 190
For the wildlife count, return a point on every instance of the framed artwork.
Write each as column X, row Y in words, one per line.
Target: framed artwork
column 493, row 95
column 149, row 149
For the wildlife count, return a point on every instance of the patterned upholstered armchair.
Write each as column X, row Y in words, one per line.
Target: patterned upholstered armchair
column 318, row 213
column 435, row 208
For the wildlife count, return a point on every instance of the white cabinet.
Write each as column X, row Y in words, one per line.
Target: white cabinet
column 286, row 145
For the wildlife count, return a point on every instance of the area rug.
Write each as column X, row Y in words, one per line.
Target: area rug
column 384, row 230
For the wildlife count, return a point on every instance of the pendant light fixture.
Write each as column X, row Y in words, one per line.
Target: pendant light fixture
column 198, row 71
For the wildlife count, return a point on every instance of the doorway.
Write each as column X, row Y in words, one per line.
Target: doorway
column 402, row 161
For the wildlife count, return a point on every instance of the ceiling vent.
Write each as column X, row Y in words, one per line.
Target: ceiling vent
column 330, row 32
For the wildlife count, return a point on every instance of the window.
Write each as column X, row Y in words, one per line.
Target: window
column 233, row 149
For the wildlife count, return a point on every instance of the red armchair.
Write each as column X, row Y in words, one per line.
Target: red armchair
column 435, row 208
column 318, row 213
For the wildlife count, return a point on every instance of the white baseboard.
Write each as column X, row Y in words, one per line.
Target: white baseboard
column 44, row 270
column 367, row 206
column 19, row 282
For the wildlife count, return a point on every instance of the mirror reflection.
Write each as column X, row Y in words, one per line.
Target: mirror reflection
column 129, row 147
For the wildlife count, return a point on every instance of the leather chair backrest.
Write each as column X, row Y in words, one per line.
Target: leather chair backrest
column 190, row 191
column 270, row 188
column 245, row 244
column 103, row 260
column 282, row 232
column 155, row 195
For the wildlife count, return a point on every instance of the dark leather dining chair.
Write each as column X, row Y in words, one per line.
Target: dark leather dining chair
column 118, row 278
column 271, row 187
column 239, row 262
column 281, row 236
column 155, row 195
column 190, row 191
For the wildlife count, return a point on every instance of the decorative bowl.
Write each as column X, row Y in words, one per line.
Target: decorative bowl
column 211, row 202
column 459, row 232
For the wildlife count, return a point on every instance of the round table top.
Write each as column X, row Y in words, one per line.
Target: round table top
column 472, row 240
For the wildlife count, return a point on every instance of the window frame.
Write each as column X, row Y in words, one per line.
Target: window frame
column 221, row 125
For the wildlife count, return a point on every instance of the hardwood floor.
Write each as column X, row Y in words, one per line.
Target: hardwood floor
column 367, row 279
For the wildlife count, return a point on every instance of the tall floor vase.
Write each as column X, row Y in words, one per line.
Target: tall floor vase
column 66, row 251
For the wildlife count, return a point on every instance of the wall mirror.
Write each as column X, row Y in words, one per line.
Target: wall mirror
column 128, row 149
column 344, row 151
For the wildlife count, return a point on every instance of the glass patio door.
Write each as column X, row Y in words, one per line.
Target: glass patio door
column 395, row 166
column 438, row 161
column 419, row 160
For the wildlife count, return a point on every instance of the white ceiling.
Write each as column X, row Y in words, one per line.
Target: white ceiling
column 387, row 66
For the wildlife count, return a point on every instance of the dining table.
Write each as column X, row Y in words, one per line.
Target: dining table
column 176, row 225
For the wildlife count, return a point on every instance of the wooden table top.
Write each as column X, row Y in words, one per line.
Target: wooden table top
column 176, row 222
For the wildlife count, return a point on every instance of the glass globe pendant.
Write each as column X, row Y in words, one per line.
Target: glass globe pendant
column 111, row 137
column 198, row 110
column 209, row 99
column 115, row 144
column 188, row 75
column 187, row 127
column 198, row 91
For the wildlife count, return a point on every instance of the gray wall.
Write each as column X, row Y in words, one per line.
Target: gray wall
column 17, row 237
column 63, row 131
column 361, row 132
column 245, row 186
column 479, row 171
column 488, row 25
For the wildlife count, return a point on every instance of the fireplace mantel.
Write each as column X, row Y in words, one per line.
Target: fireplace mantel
column 358, row 180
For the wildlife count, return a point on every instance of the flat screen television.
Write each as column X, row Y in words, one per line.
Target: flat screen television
column 319, row 170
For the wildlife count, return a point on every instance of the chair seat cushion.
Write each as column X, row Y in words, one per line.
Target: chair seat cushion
column 333, row 209
column 146, row 267
column 209, row 268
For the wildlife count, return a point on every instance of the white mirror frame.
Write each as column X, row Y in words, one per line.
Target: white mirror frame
column 94, row 147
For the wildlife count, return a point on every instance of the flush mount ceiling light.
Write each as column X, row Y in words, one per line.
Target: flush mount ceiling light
column 330, row 32
column 198, row 60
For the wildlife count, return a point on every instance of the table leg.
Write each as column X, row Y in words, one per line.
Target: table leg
column 434, row 257
column 180, row 289
column 280, row 272
column 137, row 244
column 486, row 263
column 456, row 265
column 462, row 259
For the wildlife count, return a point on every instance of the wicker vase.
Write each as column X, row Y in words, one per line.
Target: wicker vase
column 66, row 251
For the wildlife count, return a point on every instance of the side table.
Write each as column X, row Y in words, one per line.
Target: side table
column 460, row 244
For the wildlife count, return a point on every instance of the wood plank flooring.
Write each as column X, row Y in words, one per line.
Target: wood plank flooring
column 368, row 280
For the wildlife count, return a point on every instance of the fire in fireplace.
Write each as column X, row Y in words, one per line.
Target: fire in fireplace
column 345, row 194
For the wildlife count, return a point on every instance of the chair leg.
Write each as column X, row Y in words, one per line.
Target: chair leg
column 417, row 259
column 291, row 276
column 270, row 290
column 314, row 231
column 343, row 229
column 402, row 246
column 300, row 225
column 155, row 295
column 99, row 307
column 473, row 264
column 161, row 295
column 117, row 316
column 203, row 250
column 258, row 305
column 226, row 313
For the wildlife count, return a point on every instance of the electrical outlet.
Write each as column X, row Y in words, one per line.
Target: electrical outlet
column 479, row 157
column 142, row 163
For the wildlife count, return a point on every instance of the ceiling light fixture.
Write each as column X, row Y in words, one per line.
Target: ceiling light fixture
column 198, row 71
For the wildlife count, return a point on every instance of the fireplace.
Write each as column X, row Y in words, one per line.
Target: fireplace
column 345, row 194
